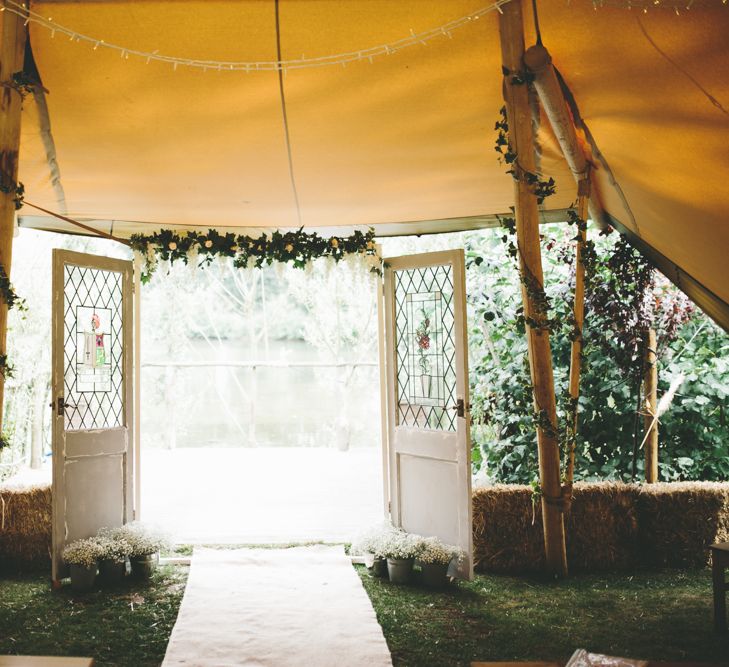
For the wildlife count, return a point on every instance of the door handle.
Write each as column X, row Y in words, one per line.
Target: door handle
column 61, row 405
column 460, row 407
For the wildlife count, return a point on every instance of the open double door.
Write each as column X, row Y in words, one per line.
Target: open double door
column 424, row 361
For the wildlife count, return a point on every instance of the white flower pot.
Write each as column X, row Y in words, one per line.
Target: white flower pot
column 400, row 570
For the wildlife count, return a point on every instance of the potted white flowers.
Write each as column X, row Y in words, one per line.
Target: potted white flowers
column 82, row 557
column 113, row 553
column 145, row 547
column 371, row 543
column 400, row 549
column 434, row 557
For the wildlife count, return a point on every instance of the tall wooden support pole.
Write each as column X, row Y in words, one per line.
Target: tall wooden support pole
column 12, row 49
column 578, row 313
column 521, row 134
column 539, row 62
column 650, row 405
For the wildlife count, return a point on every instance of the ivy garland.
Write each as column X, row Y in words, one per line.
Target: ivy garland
column 540, row 319
column 15, row 189
column 298, row 248
column 8, row 293
column 22, row 83
column 541, row 187
column 6, row 370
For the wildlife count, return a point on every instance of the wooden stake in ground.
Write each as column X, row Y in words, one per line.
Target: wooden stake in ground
column 12, row 47
column 521, row 134
column 650, row 407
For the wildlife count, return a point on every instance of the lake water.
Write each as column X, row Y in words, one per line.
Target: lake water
column 218, row 406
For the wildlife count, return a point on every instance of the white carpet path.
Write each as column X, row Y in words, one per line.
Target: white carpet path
column 303, row 606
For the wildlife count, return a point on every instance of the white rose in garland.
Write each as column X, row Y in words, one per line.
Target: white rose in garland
column 297, row 248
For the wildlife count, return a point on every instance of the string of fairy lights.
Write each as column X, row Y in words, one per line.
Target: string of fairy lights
column 23, row 10
column 645, row 5
column 366, row 54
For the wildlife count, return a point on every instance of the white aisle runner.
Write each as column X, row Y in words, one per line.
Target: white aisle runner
column 303, row 606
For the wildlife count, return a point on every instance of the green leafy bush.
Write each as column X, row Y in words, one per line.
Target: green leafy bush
column 623, row 296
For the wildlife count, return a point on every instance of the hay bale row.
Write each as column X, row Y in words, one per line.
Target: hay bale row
column 678, row 522
column 25, row 527
column 611, row 526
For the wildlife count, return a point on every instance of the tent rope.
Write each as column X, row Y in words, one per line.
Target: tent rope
column 88, row 228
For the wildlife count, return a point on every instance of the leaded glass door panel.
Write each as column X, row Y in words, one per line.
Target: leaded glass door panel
column 428, row 444
column 92, row 397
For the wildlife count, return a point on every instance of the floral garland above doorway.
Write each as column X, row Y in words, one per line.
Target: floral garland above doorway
column 297, row 248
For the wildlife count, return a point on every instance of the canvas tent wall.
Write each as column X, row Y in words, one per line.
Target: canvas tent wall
column 396, row 143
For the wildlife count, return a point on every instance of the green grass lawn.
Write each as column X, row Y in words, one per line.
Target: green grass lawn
column 658, row 615
column 125, row 625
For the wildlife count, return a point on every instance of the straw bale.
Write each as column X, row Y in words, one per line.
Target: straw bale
column 505, row 538
column 678, row 522
column 611, row 526
column 602, row 527
column 25, row 527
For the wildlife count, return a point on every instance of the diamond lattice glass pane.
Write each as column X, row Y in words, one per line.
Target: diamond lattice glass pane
column 425, row 347
column 92, row 348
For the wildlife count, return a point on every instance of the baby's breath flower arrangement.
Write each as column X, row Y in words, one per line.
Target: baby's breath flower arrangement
column 143, row 540
column 84, row 553
column 399, row 545
column 113, row 548
column 374, row 539
column 432, row 550
column 136, row 538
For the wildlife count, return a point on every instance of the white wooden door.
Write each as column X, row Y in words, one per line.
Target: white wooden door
column 429, row 452
column 93, row 421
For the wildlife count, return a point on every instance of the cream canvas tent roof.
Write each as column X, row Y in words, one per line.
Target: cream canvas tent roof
column 402, row 141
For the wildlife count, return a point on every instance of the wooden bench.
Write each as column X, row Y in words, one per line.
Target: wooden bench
column 719, row 563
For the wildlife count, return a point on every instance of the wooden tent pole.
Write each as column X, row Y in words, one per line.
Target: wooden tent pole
column 12, row 48
column 539, row 62
column 521, row 135
column 650, row 405
column 578, row 313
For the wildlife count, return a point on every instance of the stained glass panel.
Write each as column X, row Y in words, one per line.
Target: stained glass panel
column 93, row 355
column 425, row 347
